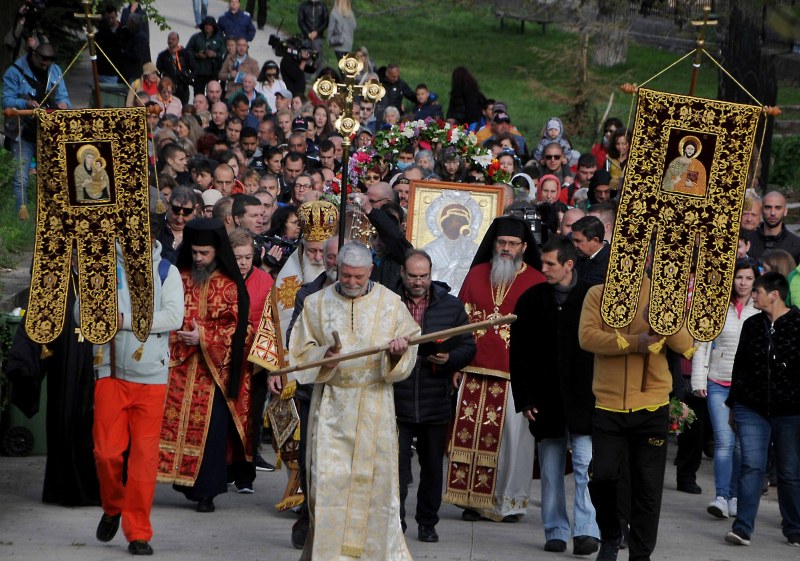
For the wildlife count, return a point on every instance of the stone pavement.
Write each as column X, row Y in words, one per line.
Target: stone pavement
column 248, row 528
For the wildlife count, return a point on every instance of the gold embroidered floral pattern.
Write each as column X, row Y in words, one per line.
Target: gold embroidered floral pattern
column 697, row 136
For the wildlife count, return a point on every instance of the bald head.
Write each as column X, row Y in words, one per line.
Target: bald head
column 379, row 194
column 570, row 217
column 773, row 211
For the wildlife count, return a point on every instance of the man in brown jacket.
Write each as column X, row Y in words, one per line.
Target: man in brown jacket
column 631, row 385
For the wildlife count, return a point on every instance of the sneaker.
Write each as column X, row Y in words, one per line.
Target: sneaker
column 140, row 547
column 584, row 545
column 733, row 507
column 794, row 540
column 263, row 465
column 737, row 537
column 718, row 508
column 245, row 488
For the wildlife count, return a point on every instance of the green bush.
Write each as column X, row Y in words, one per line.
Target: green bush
column 783, row 169
column 16, row 236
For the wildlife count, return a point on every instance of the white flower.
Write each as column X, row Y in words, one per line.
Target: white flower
column 483, row 159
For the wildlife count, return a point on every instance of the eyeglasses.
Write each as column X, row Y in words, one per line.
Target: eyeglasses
column 507, row 243
column 182, row 210
column 302, row 185
column 552, row 156
column 372, row 177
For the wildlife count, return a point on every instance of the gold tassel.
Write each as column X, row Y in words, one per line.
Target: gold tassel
column 289, row 390
column 622, row 343
column 690, row 353
column 137, row 354
column 656, row 347
column 161, row 208
column 46, row 353
column 296, row 435
column 98, row 358
column 23, row 212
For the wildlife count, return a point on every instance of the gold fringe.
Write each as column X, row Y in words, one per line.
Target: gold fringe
column 23, row 212
column 690, row 353
column 622, row 343
column 137, row 354
column 656, row 347
column 46, row 353
column 296, row 435
column 289, row 390
column 98, row 358
column 278, row 461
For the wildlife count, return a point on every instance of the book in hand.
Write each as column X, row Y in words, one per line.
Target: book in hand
column 438, row 346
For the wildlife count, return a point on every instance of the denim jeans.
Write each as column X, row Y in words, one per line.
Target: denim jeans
column 200, row 11
column 727, row 454
column 23, row 152
column 754, row 432
column 552, row 457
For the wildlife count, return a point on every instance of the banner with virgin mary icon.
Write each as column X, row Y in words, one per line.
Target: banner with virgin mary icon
column 684, row 185
column 92, row 194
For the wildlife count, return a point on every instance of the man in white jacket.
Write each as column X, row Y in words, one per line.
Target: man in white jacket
column 129, row 404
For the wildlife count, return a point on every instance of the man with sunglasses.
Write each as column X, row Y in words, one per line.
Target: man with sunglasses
column 553, row 162
column 32, row 81
column 180, row 211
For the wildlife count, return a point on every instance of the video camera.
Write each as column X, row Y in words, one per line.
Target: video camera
column 294, row 47
column 263, row 243
column 531, row 216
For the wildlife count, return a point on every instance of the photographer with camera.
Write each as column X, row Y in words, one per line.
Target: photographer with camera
column 298, row 59
column 26, row 35
column 177, row 63
column 25, row 85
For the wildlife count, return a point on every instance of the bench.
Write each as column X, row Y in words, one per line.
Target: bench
column 503, row 13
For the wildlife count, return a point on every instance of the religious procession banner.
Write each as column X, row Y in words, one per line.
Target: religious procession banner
column 92, row 192
column 684, row 183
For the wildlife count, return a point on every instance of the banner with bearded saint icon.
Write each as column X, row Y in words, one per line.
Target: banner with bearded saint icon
column 92, row 192
column 684, row 183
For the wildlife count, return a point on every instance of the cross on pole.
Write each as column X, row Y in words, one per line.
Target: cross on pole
column 89, row 16
column 326, row 87
column 699, row 43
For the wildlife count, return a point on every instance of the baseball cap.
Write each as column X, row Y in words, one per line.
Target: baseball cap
column 284, row 93
column 299, row 124
column 210, row 197
column 502, row 117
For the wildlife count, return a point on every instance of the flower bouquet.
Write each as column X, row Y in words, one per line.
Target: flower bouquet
column 680, row 416
column 497, row 175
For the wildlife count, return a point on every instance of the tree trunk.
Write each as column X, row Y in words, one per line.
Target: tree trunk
column 611, row 33
column 743, row 58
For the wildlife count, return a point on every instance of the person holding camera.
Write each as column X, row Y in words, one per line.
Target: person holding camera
column 26, row 84
column 25, row 35
column 177, row 63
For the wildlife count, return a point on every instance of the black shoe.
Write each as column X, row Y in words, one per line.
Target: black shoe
column 470, row 515
column 512, row 518
column 403, row 526
column 206, row 504
column 608, row 550
column 244, row 487
column 427, row 534
column 555, row 546
column 263, row 465
column 300, row 532
column 626, row 536
column 690, row 487
column 108, row 526
column 140, row 547
column 584, row 545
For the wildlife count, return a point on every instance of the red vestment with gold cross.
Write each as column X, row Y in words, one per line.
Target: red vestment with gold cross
column 196, row 372
column 477, row 431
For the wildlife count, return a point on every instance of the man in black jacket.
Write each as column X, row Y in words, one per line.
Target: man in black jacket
column 765, row 405
column 587, row 235
column 554, row 392
column 422, row 401
column 772, row 233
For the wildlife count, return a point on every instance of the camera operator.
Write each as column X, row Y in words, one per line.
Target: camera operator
column 26, row 35
column 298, row 61
column 25, row 84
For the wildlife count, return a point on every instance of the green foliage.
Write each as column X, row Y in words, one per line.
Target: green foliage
column 784, row 157
column 16, row 236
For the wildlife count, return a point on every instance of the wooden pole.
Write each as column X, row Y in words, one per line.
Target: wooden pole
column 436, row 336
column 699, row 43
column 87, row 13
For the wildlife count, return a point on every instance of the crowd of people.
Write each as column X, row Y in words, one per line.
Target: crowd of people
column 246, row 158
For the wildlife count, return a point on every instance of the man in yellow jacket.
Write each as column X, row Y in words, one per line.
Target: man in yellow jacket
column 631, row 385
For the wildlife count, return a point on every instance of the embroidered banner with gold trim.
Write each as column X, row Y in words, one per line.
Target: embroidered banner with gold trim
column 92, row 191
column 685, row 182
column 475, row 441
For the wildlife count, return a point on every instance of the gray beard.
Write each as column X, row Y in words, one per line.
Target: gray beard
column 332, row 274
column 311, row 271
column 201, row 275
column 504, row 270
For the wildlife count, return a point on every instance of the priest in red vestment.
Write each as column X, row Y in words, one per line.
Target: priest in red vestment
column 208, row 393
column 490, row 448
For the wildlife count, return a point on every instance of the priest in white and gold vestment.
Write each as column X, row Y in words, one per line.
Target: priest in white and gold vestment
column 352, row 468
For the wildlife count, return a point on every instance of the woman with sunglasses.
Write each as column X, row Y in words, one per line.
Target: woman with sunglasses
column 269, row 82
